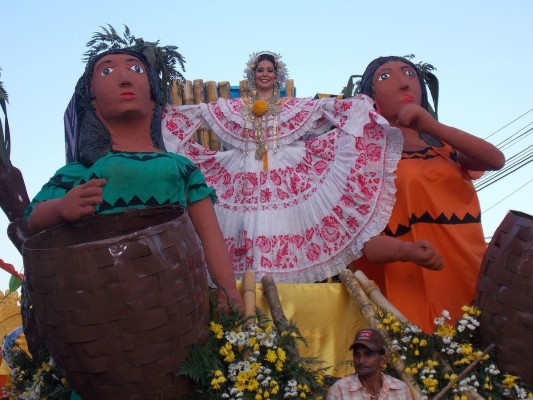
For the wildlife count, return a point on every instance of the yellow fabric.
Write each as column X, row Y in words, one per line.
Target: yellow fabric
column 326, row 316
column 10, row 319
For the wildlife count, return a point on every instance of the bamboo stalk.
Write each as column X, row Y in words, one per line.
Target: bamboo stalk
column 188, row 95
column 243, row 89
column 368, row 310
column 248, row 296
column 212, row 95
column 199, row 97
column 373, row 292
column 463, row 373
column 224, row 90
column 176, row 93
column 270, row 291
column 289, row 88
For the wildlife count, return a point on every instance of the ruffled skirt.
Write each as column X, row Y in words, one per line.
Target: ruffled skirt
column 308, row 215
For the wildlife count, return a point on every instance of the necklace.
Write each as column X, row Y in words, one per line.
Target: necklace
column 257, row 113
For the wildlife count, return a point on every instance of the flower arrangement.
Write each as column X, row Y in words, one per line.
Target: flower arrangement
column 31, row 380
column 436, row 360
column 244, row 359
column 259, row 107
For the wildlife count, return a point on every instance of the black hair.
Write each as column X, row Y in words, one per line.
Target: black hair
column 267, row 57
column 93, row 138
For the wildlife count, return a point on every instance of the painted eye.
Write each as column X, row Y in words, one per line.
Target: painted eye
column 260, row 69
column 106, row 71
column 137, row 68
column 271, row 70
column 384, row 76
column 410, row 73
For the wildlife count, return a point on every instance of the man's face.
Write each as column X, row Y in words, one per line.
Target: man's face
column 121, row 88
column 367, row 362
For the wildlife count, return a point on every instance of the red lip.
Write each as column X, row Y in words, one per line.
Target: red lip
column 127, row 95
column 408, row 97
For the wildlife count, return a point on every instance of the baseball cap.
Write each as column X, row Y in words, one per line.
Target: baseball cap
column 370, row 338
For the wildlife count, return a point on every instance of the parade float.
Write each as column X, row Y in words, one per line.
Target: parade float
column 117, row 307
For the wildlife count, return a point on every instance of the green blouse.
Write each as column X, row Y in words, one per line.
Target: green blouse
column 134, row 180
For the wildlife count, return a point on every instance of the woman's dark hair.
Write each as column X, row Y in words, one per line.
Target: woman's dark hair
column 93, row 138
column 267, row 57
column 366, row 85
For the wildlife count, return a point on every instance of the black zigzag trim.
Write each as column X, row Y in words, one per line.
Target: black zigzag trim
column 58, row 181
column 105, row 206
column 426, row 218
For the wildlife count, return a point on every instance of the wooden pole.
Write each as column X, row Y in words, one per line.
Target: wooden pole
column 176, row 93
column 199, row 97
column 188, row 96
column 289, row 88
column 270, row 291
column 212, row 95
column 243, row 89
column 373, row 292
column 224, row 90
column 248, row 296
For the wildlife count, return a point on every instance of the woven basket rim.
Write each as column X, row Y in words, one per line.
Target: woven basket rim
column 29, row 245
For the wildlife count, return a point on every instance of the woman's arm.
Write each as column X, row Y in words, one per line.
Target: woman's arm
column 204, row 219
column 475, row 153
column 77, row 203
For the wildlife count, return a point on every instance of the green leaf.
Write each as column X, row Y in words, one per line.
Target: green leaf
column 14, row 283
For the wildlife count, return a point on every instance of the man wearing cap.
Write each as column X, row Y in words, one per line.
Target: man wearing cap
column 369, row 383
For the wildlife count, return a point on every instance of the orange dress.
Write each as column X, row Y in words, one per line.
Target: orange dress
column 435, row 201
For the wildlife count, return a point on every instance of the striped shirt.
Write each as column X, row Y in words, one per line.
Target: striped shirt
column 351, row 388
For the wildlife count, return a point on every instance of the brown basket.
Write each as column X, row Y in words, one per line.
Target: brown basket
column 119, row 299
column 505, row 295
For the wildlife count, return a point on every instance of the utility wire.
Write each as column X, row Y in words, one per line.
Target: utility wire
column 516, row 119
column 509, row 195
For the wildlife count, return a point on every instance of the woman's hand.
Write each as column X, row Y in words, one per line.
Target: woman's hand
column 230, row 299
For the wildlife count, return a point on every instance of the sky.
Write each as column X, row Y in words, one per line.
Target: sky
column 481, row 49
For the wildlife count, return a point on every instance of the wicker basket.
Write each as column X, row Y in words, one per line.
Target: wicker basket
column 119, row 299
column 505, row 295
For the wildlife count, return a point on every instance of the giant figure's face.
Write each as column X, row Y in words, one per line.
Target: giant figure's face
column 395, row 84
column 121, row 88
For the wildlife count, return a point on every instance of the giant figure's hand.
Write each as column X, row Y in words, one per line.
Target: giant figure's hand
column 423, row 253
column 414, row 117
column 81, row 201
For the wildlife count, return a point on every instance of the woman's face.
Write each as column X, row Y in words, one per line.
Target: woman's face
column 265, row 76
column 395, row 85
column 121, row 88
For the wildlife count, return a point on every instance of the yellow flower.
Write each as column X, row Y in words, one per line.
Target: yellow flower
column 259, row 107
column 446, row 330
column 281, row 354
column 216, row 329
column 271, row 356
column 509, row 381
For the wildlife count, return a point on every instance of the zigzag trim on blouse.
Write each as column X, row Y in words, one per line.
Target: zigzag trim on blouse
column 426, row 218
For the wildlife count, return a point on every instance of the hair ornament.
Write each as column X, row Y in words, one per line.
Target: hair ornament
column 282, row 72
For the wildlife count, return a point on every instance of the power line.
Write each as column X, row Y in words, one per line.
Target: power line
column 510, row 194
column 516, row 119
